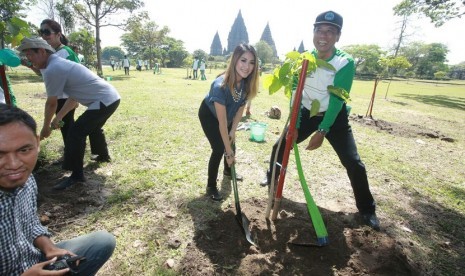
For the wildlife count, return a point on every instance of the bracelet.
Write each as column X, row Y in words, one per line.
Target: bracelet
column 231, row 155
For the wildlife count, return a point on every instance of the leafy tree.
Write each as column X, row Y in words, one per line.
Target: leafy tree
column 12, row 28
column 112, row 52
column 439, row 11
column 60, row 12
column 393, row 64
column 176, row 52
column 439, row 75
column 458, row 71
column 103, row 13
column 264, row 52
column 366, row 58
column 85, row 41
column 145, row 39
column 201, row 54
column 404, row 10
column 66, row 17
column 426, row 59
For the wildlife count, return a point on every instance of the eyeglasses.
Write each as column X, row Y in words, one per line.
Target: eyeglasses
column 45, row 32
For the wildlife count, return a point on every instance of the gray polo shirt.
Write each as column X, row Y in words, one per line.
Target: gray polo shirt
column 78, row 82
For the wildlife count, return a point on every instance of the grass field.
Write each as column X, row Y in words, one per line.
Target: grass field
column 160, row 154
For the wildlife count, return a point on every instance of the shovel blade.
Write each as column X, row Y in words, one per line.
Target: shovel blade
column 244, row 223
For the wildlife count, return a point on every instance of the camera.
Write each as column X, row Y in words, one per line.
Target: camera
column 65, row 261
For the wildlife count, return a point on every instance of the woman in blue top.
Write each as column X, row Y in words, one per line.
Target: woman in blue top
column 222, row 108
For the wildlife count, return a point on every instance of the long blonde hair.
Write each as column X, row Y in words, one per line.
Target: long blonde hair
column 251, row 82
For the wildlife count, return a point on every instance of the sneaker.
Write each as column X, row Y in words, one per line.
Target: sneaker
column 371, row 220
column 238, row 176
column 67, row 182
column 214, row 194
column 100, row 158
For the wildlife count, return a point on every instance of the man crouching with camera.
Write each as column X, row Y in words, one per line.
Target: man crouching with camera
column 25, row 245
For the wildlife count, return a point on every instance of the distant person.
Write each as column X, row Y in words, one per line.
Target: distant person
column 126, row 65
column 331, row 122
column 195, row 68
column 25, row 245
column 76, row 49
column 221, row 111
column 202, row 70
column 146, row 64
column 112, row 64
column 82, row 86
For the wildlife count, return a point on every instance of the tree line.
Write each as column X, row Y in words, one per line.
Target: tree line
column 143, row 39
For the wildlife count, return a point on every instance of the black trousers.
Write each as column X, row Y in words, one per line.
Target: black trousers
column 211, row 129
column 90, row 124
column 342, row 140
column 68, row 119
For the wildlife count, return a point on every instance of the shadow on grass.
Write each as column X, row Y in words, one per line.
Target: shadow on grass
column 441, row 229
column 438, row 100
column 23, row 78
column 397, row 102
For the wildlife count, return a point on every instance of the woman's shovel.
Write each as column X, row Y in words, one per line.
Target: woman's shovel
column 240, row 217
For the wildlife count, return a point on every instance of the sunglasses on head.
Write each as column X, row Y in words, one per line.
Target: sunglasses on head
column 46, row 32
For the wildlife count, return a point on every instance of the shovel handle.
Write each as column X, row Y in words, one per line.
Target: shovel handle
column 290, row 136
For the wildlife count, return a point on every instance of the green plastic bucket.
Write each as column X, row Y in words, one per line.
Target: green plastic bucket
column 257, row 132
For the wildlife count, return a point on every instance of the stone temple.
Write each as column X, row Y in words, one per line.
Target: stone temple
column 237, row 35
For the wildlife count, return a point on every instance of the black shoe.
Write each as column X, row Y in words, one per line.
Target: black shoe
column 100, row 158
column 67, row 182
column 214, row 194
column 265, row 182
column 238, row 176
column 371, row 220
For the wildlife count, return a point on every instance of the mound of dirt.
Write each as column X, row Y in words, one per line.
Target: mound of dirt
column 400, row 129
column 284, row 246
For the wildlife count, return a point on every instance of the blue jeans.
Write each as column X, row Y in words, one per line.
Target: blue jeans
column 97, row 247
column 342, row 140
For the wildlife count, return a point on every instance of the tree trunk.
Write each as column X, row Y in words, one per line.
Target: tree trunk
column 97, row 41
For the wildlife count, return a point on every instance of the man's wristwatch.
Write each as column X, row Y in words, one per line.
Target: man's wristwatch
column 322, row 132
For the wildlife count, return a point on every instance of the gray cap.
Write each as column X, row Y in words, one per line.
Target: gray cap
column 34, row 43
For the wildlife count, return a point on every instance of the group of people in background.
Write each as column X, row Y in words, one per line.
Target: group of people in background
column 125, row 63
column 199, row 64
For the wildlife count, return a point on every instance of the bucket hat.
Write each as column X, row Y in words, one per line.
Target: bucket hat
column 34, row 43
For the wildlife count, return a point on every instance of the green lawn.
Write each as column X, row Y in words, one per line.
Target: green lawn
column 160, row 154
